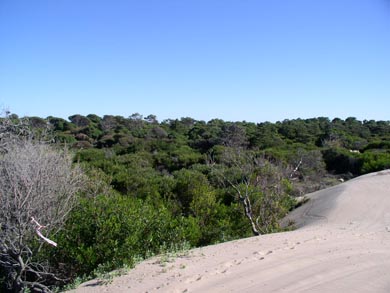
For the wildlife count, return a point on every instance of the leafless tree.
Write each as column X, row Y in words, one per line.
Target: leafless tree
column 259, row 185
column 38, row 187
column 309, row 173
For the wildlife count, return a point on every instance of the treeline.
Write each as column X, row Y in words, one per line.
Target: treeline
column 155, row 186
column 349, row 146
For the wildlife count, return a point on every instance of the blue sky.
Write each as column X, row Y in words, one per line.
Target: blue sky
column 234, row 60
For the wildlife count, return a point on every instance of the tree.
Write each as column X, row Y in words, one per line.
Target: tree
column 79, row 120
column 234, row 135
column 38, row 189
column 152, row 119
column 261, row 186
column 189, row 185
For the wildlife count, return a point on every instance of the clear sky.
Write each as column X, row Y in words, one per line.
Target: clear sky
column 253, row 60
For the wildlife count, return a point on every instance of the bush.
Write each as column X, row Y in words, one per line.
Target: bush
column 113, row 231
column 38, row 188
column 373, row 162
column 341, row 161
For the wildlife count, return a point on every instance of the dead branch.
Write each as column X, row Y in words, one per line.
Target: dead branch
column 39, row 184
column 257, row 184
column 38, row 230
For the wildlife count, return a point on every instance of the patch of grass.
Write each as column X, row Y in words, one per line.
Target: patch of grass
column 100, row 273
column 105, row 276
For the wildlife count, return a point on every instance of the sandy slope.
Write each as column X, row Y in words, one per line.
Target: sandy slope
column 342, row 245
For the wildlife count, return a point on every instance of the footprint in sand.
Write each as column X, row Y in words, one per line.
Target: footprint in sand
column 180, row 291
column 193, row 279
column 161, row 286
column 224, row 268
column 293, row 246
column 260, row 254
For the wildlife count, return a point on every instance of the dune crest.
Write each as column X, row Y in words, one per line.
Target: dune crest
column 342, row 244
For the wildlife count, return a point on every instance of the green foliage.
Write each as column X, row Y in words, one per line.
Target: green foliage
column 66, row 138
column 190, row 184
column 341, row 161
column 383, row 144
column 375, row 161
column 135, row 175
column 210, row 216
column 79, row 120
column 266, row 136
column 113, row 230
column 91, row 155
column 177, row 158
column 60, row 124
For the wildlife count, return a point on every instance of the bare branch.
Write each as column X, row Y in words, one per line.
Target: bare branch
column 296, row 168
column 257, row 183
column 38, row 230
column 39, row 184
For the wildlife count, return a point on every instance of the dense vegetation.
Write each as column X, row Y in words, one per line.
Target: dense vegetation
column 155, row 186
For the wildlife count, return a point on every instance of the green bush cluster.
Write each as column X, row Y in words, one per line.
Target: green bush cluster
column 114, row 230
column 342, row 161
column 375, row 161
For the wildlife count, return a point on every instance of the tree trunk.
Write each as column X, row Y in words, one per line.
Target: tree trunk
column 248, row 213
column 18, row 285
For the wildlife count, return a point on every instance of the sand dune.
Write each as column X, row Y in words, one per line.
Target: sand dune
column 342, row 244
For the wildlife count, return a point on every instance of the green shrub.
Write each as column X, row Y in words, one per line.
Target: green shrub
column 341, row 161
column 375, row 161
column 113, row 231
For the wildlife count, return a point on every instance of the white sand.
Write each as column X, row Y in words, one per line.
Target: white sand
column 342, row 245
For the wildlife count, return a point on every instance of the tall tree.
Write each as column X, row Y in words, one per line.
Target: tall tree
column 259, row 185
